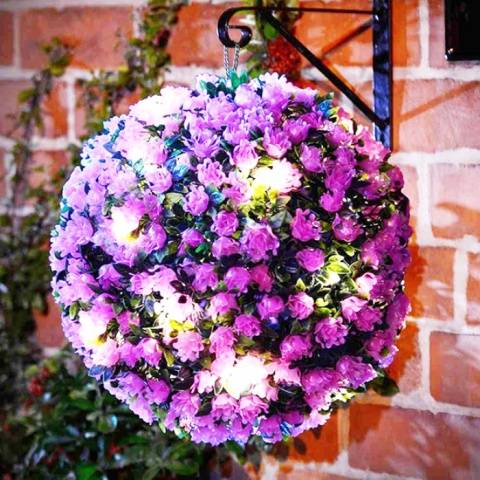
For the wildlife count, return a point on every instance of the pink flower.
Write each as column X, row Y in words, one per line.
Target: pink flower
column 346, row 228
column 355, row 371
column 330, row 332
column 225, row 223
column 159, row 178
column 247, row 325
column 295, row 347
column 367, row 318
column 224, row 247
column 245, row 157
column 150, row 351
column 211, row 173
column 157, row 391
column 260, row 275
column 258, row 241
column 196, row 201
column 269, row 307
column 311, row 259
column 205, row 277
column 366, row 283
column 221, row 340
column 188, row 346
column 305, row 226
column 311, row 158
column 222, row 303
column 191, row 237
column 237, row 278
column 351, row 306
column 300, row 305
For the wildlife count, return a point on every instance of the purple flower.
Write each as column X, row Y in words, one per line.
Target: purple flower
column 297, row 130
column 251, row 407
column 311, row 259
column 222, row 303
column 270, row 307
column 237, row 278
column 345, row 228
column 366, row 319
column 300, row 305
column 245, row 157
column 275, row 142
column 196, row 201
column 397, row 311
column 150, row 351
column 311, row 158
column 238, row 192
column 305, row 226
column 193, row 238
column 295, row 347
column 159, row 178
column 381, row 348
column 332, row 202
column 211, row 173
column 270, row 429
column 247, row 325
column 205, row 277
column 258, row 241
column 261, row 276
column 355, row 372
column 330, row 332
column 351, row 306
column 224, row 406
column 157, row 391
column 188, row 346
column 224, row 247
column 225, row 223
column 366, row 283
column 318, row 385
column 141, row 407
column 221, row 340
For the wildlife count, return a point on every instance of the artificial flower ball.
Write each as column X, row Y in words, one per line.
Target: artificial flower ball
column 230, row 260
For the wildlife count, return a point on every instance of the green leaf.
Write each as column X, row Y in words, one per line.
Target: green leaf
column 385, row 386
column 85, row 471
column 269, row 32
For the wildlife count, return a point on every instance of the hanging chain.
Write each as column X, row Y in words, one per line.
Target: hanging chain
column 226, row 59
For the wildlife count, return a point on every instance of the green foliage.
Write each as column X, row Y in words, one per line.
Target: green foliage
column 29, row 210
column 73, row 429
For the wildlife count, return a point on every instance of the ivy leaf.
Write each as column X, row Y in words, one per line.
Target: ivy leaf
column 385, row 386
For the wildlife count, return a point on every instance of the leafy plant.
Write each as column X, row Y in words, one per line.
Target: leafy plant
column 71, row 428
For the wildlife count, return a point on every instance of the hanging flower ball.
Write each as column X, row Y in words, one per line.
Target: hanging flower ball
column 230, row 260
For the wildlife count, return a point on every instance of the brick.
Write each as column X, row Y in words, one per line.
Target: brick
column 410, row 177
column 54, row 109
column 121, row 108
column 429, row 282
column 48, row 326
column 292, row 474
column 46, row 164
column 455, row 368
column 194, row 39
column 321, row 445
column 321, row 32
column 406, row 367
column 93, row 31
column 414, row 443
column 9, row 91
column 435, row 115
column 453, row 213
column 473, row 289
column 6, row 42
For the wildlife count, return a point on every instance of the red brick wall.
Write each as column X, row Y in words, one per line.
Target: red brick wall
column 432, row 428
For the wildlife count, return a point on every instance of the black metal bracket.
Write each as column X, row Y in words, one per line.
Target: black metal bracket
column 380, row 22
